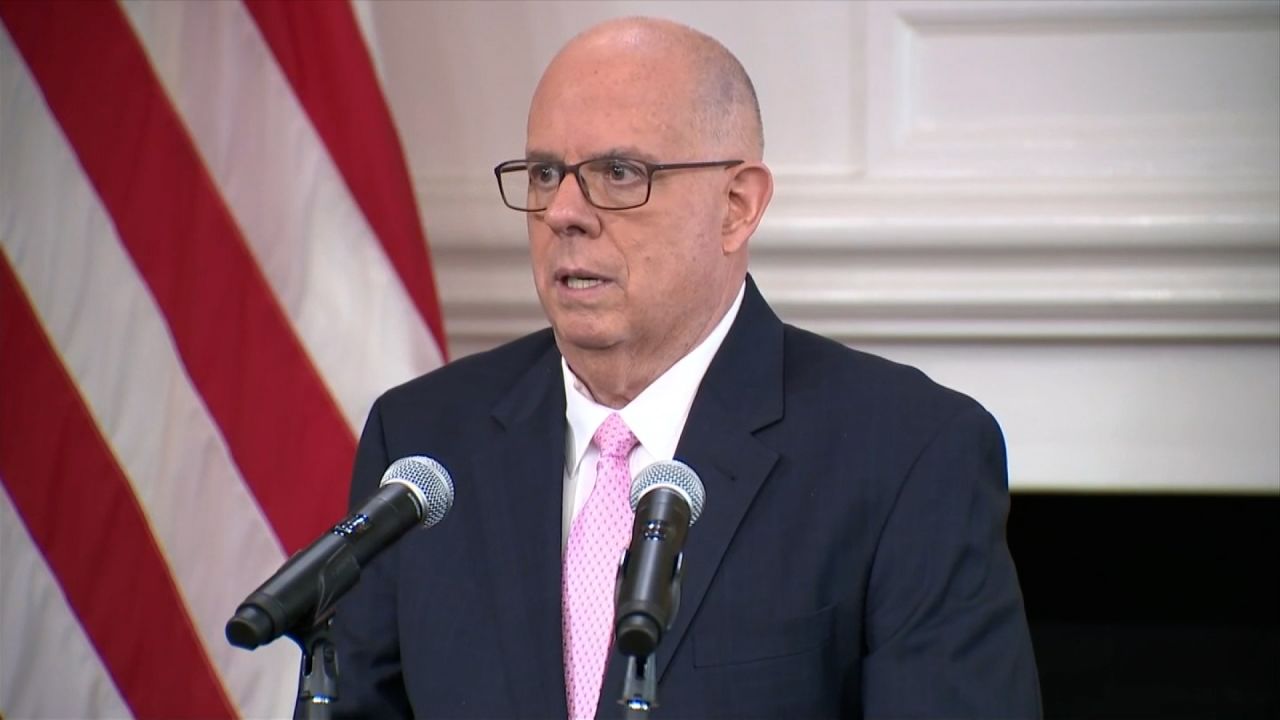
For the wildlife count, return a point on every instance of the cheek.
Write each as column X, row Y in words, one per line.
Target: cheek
column 668, row 256
column 539, row 246
column 678, row 271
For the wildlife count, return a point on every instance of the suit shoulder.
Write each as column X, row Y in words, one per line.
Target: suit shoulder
column 477, row 380
column 869, row 382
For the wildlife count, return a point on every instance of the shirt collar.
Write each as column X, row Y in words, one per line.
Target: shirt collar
column 657, row 415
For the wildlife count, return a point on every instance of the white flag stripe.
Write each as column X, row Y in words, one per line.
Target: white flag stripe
column 363, row 11
column 114, row 343
column 311, row 240
column 59, row 674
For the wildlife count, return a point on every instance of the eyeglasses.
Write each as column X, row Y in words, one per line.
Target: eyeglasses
column 609, row 183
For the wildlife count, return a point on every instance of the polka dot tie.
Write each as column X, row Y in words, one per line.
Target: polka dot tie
column 599, row 534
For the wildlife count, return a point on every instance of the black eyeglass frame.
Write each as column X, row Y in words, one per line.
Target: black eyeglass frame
column 566, row 170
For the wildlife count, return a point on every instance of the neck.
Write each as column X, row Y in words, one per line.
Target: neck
column 614, row 377
column 617, row 375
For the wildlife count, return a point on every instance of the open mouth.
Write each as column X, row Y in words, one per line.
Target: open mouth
column 579, row 280
column 582, row 283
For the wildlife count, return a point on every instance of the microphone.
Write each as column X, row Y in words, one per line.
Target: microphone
column 667, row 498
column 413, row 490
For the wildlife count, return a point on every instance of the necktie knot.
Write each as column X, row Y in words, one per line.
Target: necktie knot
column 614, row 438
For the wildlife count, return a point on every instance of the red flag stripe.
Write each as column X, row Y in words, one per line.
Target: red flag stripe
column 339, row 88
column 115, row 345
column 281, row 425
column 312, row 242
column 106, row 559
column 44, row 637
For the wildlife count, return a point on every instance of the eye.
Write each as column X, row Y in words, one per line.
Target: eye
column 623, row 172
column 545, row 175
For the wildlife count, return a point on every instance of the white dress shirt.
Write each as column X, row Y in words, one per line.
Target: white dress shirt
column 656, row 416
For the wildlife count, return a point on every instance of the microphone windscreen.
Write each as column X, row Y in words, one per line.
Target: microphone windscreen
column 430, row 482
column 673, row 475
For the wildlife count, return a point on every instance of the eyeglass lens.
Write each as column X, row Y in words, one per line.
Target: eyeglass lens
column 610, row 183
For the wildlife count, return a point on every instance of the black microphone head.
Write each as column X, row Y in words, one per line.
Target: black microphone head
column 672, row 475
column 430, row 483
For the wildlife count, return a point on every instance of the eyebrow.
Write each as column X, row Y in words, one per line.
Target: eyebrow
column 613, row 152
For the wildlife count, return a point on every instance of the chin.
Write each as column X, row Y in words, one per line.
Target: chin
column 567, row 334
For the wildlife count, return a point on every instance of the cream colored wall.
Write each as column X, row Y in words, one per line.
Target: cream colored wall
column 1070, row 210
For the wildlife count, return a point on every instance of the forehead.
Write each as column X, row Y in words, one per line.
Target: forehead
column 592, row 101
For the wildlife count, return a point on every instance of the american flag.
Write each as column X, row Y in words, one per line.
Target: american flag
column 211, row 263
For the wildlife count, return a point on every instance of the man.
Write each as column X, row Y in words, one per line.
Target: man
column 850, row 560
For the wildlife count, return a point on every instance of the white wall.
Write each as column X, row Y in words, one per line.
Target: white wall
column 1070, row 210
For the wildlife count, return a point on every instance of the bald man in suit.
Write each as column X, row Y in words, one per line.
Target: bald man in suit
column 851, row 559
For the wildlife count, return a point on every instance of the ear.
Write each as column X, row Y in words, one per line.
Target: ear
column 749, row 193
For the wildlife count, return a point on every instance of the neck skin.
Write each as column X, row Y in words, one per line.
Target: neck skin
column 615, row 376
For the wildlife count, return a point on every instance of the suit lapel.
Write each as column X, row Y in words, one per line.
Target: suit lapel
column 741, row 393
column 522, row 494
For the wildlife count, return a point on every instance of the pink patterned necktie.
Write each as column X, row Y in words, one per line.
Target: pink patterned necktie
column 599, row 534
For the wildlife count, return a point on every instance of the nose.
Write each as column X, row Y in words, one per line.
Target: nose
column 569, row 213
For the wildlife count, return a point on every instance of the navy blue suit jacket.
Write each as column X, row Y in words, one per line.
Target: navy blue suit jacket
column 850, row 561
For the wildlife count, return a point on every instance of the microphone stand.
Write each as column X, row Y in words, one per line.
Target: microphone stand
column 650, row 573
column 640, row 688
column 318, row 677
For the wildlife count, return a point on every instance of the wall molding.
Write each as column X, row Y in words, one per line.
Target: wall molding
column 940, row 262
column 1050, row 88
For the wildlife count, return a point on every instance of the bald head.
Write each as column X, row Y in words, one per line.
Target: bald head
column 630, row 290
column 699, row 76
